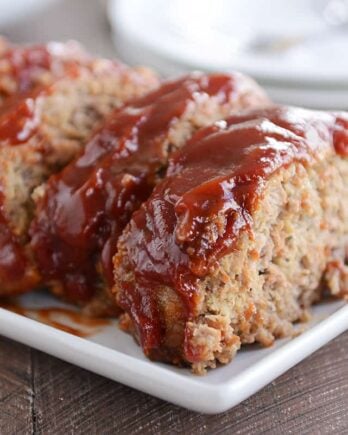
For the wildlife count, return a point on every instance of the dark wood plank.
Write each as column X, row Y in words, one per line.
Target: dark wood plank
column 16, row 393
column 311, row 398
column 41, row 394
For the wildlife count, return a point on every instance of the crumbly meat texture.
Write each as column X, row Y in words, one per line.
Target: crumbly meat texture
column 167, row 117
column 295, row 251
column 39, row 134
column 23, row 68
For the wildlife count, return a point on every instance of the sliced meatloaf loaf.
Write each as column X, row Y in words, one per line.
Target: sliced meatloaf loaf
column 81, row 211
column 39, row 134
column 247, row 230
column 22, row 68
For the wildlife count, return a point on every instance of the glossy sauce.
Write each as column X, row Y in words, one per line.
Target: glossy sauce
column 196, row 215
column 20, row 118
column 27, row 64
column 76, row 324
column 87, row 205
column 19, row 122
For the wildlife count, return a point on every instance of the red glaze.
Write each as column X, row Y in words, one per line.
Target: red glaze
column 19, row 121
column 28, row 64
column 196, row 215
column 20, row 118
column 87, row 205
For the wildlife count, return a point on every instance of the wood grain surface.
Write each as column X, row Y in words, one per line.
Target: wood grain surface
column 40, row 394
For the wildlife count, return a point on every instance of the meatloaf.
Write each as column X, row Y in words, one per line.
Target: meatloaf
column 40, row 132
column 247, row 230
column 81, row 211
column 22, row 68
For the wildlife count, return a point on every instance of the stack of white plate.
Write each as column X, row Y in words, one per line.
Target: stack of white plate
column 297, row 49
column 12, row 11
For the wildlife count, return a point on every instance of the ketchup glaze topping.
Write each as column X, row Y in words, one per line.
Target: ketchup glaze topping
column 196, row 214
column 20, row 117
column 87, row 205
column 27, row 64
column 19, row 122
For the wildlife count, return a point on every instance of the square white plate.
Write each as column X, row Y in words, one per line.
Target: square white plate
column 112, row 353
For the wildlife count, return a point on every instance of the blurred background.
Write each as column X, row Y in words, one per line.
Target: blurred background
column 297, row 49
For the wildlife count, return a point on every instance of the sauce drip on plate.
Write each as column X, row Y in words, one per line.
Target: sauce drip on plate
column 63, row 319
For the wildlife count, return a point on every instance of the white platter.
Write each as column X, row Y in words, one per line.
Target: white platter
column 114, row 354
column 218, row 35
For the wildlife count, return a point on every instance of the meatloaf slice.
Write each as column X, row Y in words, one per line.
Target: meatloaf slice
column 247, row 230
column 22, row 68
column 82, row 210
column 39, row 134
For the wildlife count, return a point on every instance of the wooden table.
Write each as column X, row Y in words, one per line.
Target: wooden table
column 40, row 394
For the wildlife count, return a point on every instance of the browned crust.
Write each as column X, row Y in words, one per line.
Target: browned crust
column 297, row 250
column 68, row 110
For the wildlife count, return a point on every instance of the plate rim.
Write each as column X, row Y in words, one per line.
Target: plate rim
column 182, row 390
column 120, row 27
